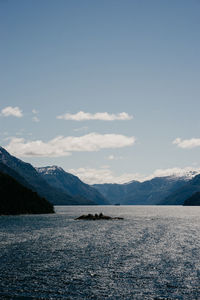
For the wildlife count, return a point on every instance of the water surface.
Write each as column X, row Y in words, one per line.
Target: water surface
column 152, row 254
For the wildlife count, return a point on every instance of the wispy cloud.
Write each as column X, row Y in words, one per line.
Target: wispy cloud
column 105, row 175
column 189, row 143
column 34, row 111
column 177, row 172
column 63, row 146
column 104, row 116
column 11, row 111
column 102, row 175
column 35, row 119
column 113, row 157
column 84, row 128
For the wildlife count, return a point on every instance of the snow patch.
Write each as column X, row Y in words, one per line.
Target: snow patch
column 48, row 170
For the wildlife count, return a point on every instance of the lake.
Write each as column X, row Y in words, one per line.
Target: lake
column 154, row 253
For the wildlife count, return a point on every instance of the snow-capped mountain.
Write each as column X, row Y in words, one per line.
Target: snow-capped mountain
column 72, row 185
column 27, row 175
column 149, row 192
column 178, row 196
column 60, row 187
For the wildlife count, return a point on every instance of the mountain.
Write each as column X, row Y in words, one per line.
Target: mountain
column 149, row 192
column 72, row 185
column 194, row 200
column 27, row 175
column 116, row 193
column 17, row 199
column 62, row 188
column 12, row 173
column 178, row 196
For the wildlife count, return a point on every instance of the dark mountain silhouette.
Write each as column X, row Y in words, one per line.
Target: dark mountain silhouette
column 72, row 185
column 5, row 169
column 17, row 199
column 194, row 200
column 27, row 175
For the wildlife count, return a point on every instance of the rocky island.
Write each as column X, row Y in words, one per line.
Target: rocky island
column 97, row 217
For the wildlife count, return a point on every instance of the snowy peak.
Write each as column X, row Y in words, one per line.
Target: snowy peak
column 72, row 185
column 49, row 170
column 184, row 174
column 26, row 174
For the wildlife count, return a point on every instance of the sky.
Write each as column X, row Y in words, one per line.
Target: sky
column 107, row 90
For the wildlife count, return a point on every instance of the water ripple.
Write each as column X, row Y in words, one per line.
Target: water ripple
column 152, row 254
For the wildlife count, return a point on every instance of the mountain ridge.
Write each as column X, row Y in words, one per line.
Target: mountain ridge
column 63, row 188
column 32, row 179
column 150, row 192
column 183, row 193
column 71, row 184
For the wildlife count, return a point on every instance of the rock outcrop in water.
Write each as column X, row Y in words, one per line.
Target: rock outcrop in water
column 97, row 217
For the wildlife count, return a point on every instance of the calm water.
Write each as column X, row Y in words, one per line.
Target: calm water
column 154, row 253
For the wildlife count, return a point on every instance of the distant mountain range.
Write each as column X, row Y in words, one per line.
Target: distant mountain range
column 169, row 190
column 30, row 177
column 62, row 188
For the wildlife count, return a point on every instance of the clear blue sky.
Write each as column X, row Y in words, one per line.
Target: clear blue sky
column 140, row 57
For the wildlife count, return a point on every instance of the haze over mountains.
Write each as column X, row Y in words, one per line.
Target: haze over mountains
column 62, row 188
column 158, row 190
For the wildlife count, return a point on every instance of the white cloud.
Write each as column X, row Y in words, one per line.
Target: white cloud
column 63, row 146
column 34, row 111
column 102, row 175
column 188, row 172
column 11, row 111
column 35, row 119
column 84, row 128
column 190, row 143
column 105, row 175
column 83, row 116
column 113, row 157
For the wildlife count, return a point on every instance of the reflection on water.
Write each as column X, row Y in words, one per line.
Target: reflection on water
column 152, row 254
